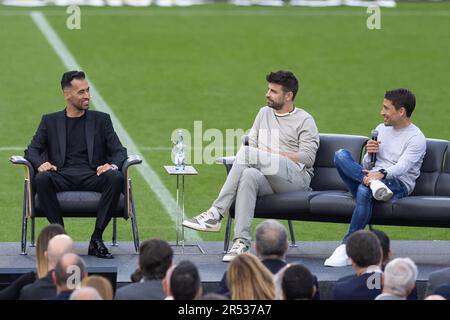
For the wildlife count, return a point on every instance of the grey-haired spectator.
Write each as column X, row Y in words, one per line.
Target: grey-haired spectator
column 155, row 258
column 399, row 279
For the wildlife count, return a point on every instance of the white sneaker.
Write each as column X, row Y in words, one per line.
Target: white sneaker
column 237, row 248
column 203, row 222
column 380, row 191
column 339, row 258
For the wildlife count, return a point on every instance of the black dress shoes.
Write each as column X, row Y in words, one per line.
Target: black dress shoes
column 97, row 248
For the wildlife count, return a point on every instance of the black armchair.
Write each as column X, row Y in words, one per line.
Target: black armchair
column 77, row 203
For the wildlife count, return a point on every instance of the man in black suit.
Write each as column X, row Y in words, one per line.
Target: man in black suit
column 78, row 150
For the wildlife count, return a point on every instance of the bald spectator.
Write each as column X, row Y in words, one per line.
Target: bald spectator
column 85, row 293
column 44, row 288
column 399, row 279
column 68, row 274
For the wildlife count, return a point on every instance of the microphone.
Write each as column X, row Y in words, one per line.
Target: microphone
column 373, row 156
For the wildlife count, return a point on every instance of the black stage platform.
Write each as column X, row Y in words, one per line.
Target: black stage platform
column 428, row 255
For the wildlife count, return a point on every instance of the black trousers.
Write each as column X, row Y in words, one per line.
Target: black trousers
column 49, row 183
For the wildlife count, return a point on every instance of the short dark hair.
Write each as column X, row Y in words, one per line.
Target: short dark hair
column 364, row 248
column 297, row 283
column 68, row 76
column 384, row 242
column 155, row 258
column 286, row 79
column 402, row 98
column 185, row 281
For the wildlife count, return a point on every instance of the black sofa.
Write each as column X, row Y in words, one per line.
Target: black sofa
column 427, row 206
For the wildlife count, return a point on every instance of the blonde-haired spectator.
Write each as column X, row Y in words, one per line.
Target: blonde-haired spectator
column 249, row 279
column 101, row 284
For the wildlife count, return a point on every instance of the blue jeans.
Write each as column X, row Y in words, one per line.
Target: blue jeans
column 352, row 174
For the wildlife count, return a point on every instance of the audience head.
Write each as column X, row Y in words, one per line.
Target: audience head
column 249, row 279
column 364, row 249
column 155, row 257
column 58, row 246
column 166, row 281
column 400, row 277
column 297, row 283
column 44, row 237
column 385, row 245
column 101, row 284
column 69, row 269
column 185, row 281
column 271, row 240
column 86, row 293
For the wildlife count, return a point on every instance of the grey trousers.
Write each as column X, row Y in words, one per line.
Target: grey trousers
column 257, row 173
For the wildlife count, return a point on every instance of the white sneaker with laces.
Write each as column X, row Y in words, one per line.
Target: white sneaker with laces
column 203, row 222
column 380, row 191
column 237, row 248
column 339, row 258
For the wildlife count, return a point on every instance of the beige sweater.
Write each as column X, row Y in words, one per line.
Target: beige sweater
column 294, row 132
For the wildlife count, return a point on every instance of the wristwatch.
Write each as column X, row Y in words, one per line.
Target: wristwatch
column 114, row 167
column 384, row 172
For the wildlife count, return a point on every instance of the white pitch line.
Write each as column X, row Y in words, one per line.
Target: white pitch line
column 146, row 171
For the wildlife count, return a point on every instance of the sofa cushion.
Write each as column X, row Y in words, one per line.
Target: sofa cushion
column 423, row 211
column 443, row 182
column 79, row 204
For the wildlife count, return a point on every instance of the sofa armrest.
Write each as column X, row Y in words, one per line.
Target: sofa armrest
column 227, row 162
column 19, row 160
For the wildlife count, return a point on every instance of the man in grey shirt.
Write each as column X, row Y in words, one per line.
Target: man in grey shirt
column 283, row 142
column 400, row 149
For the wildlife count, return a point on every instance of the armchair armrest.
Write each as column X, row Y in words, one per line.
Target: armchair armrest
column 19, row 160
column 131, row 160
column 227, row 162
column 128, row 208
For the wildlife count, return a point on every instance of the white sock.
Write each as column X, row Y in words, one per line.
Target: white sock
column 215, row 213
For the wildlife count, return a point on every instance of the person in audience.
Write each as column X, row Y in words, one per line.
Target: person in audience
column 155, row 258
column 185, row 282
column 44, row 287
column 12, row 292
column 443, row 291
column 399, row 279
column 69, row 271
column 364, row 251
column 249, row 279
column 47, row 233
column 436, row 279
column 101, row 284
column 387, row 254
column 283, row 142
column 399, row 149
column 297, row 283
column 86, row 293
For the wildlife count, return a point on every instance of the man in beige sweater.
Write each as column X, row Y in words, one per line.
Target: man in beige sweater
column 283, row 142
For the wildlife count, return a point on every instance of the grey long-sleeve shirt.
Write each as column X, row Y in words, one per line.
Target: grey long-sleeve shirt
column 401, row 153
column 294, row 132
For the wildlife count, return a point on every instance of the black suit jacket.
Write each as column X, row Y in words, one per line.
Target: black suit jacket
column 49, row 141
column 43, row 288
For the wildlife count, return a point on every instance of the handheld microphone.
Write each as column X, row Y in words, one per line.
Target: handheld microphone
column 373, row 156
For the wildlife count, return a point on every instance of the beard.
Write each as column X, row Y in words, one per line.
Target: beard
column 275, row 105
